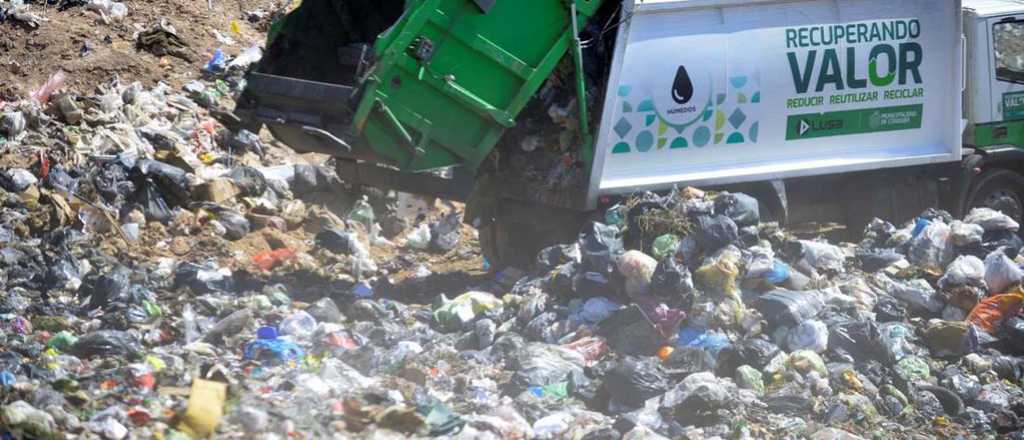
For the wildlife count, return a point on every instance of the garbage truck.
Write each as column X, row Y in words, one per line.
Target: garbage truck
column 539, row 113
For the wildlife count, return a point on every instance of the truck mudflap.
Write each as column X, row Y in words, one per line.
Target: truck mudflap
column 309, row 116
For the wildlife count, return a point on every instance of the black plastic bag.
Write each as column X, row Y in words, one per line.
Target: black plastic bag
column 860, row 340
column 744, row 210
column 1009, row 240
column 600, row 244
column 635, row 235
column 151, row 202
column 446, row 233
column 1008, row 368
column 173, row 181
column 187, row 275
column 889, row 309
column 754, row 352
column 540, row 364
column 60, row 273
column 109, row 288
column 236, row 225
column 1013, row 334
column 560, row 280
column 590, row 284
column 249, row 180
column 336, row 240
column 714, row 232
column 106, row 343
column 750, row 235
column 789, row 308
column 630, row 331
column 246, row 140
column 325, row 310
column 112, row 183
column 540, row 328
column 685, row 361
column 672, row 281
column 632, row 381
column 789, row 404
column 60, row 180
column 554, row 256
column 305, row 180
column 877, row 259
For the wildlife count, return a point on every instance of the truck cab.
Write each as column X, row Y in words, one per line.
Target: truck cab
column 994, row 103
column 994, row 96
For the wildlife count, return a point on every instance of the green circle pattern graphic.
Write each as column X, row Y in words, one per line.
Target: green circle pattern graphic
column 701, row 136
column 644, row 141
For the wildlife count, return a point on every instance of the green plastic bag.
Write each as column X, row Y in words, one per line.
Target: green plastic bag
column 62, row 341
column 454, row 314
column 362, row 212
column 664, row 246
column 749, row 378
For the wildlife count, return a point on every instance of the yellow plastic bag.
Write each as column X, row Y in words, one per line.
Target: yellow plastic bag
column 720, row 271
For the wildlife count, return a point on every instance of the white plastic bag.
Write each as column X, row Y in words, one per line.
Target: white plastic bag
column 298, row 325
column 809, row 335
column 991, row 220
column 823, row 256
column 1001, row 273
column 919, row 294
column 12, row 123
column 638, row 268
column 932, row 249
column 966, row 270
column 759, row 261
column 109, row 10
column 419, row 238
column 965, row 234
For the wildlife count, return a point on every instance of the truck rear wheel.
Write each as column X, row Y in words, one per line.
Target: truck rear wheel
column 1001, row 190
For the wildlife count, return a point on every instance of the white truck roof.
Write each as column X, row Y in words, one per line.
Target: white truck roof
column 991, row 8
column 983, row 8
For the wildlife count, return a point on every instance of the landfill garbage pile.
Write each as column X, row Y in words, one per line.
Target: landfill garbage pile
column 165, row 279
column 168, row 278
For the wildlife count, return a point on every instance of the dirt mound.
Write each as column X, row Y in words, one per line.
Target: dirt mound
column 92, row 51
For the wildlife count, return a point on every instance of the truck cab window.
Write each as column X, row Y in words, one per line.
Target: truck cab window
column 1009, row 51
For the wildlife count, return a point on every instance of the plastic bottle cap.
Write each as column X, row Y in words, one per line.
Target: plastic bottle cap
column 266, row 333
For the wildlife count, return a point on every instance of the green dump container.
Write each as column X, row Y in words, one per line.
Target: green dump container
column 452, row 75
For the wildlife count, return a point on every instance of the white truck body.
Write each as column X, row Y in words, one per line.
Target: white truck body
column 708, row 92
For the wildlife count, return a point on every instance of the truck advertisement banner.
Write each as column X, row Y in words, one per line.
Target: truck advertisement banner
column 729, row 94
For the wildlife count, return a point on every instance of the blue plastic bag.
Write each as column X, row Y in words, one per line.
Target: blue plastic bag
column 279, row 350
column 217, row 63
column 779, row 273
column 709, row 341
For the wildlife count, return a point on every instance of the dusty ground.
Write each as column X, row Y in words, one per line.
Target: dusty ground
column 93, row 52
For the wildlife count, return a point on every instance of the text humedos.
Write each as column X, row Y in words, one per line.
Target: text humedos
column 894, row 58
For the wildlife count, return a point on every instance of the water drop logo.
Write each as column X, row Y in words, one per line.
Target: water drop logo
column 682, row 87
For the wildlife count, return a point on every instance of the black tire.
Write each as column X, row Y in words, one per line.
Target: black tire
column 1001, row 190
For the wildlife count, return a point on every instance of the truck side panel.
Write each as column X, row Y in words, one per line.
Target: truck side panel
column 725, row 92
